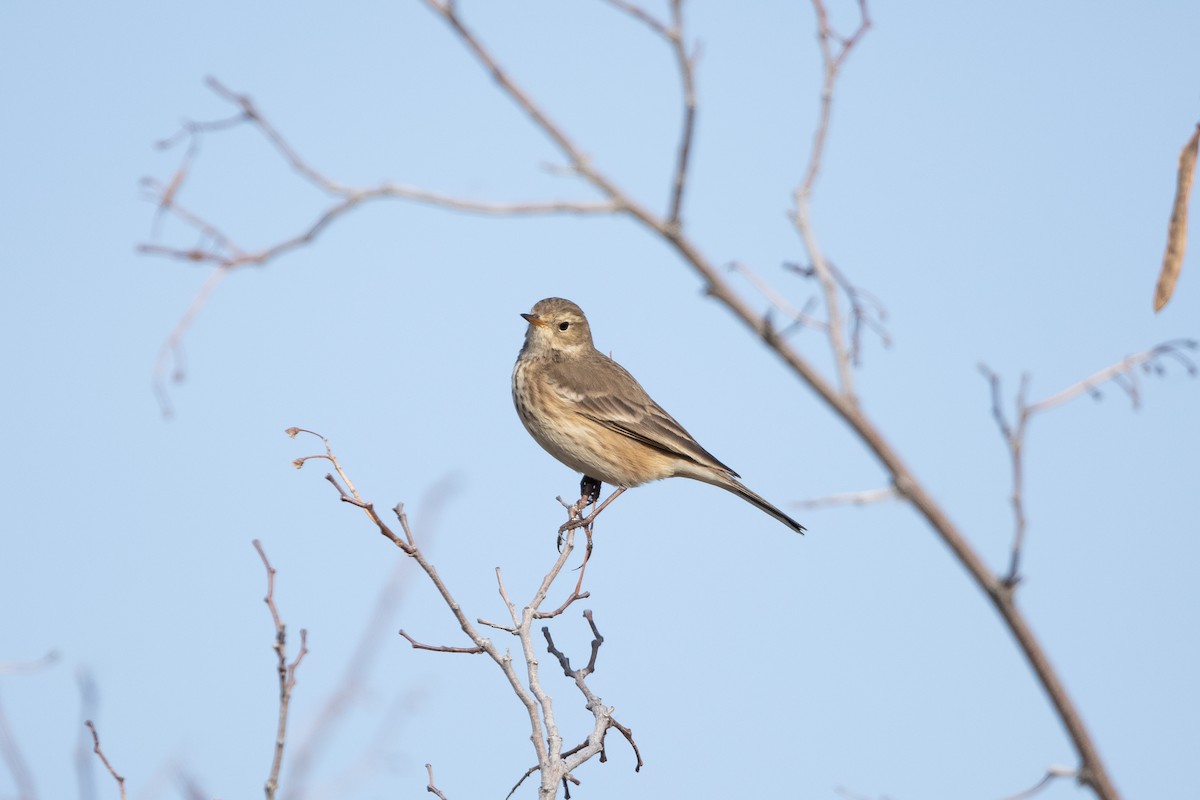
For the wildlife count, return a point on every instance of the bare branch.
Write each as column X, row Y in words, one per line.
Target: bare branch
column 1123, row 374
column 439, row 648
column 799, row 316
column 370, row 642
column 287, row 672
column 841, row 401
column 18, row 766
column 539, row 706
column 641, row 15
column 863, row 498
column 1014, row 439
column 219, row 250
column 685, row 63
column 432, row 787
column 26, row 667
column 1174, row 349
column 866, row 310
column 628, row 734
column 104, row 759
column 575, row 595
column 835, row 49
column 1051, row 774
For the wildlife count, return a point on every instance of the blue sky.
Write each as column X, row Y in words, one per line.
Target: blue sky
column 998, row 174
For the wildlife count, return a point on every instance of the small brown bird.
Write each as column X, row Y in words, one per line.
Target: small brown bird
column 587, row 411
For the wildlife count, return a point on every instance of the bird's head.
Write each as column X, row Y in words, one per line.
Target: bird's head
column 556, row 324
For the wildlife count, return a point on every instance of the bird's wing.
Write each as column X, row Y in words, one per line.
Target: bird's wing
column 604, row 392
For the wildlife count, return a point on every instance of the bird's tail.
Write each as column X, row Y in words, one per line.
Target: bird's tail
column 733, row 485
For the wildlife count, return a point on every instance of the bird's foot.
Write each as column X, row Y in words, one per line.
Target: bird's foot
column 575, row 518
column 589, row 493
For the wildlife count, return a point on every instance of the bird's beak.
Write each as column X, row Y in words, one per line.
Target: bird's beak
column 534, row 319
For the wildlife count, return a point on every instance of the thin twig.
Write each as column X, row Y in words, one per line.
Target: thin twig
column 432, row 787
column 1123, row 374
column 287, row 672
column 1174, row 349
column 866, row 310
column 1015, row 440
column 439, row 648
column 800, row 316
column 863, row 498
column 832, row 58
column 1051, row 774
column 104, row 759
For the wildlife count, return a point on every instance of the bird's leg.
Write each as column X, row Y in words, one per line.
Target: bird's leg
column 589, row 490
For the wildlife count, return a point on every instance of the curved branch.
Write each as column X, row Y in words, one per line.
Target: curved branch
column 842, row 402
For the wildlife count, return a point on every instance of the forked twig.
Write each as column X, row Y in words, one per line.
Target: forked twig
column 287, row 672
column 432, row 787
column 835, row 49
column 1123, row 374
column 555, row 767
column 216, row 248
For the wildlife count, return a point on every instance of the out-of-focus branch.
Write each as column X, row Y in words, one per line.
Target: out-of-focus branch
column 25, row 667
column 218, row 249
column 18, row 766
column 800, row 317
column 1124, row 374
column 104, row 759
column 863, row 498
column 1051, row 775
column 866, row 310
column 371, row 639
column 835, row 49
column 685, row 62
column 287, row 672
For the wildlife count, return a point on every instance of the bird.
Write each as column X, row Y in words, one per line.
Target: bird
column 588, row 412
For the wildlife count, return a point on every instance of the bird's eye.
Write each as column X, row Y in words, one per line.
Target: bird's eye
column 562, row 326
